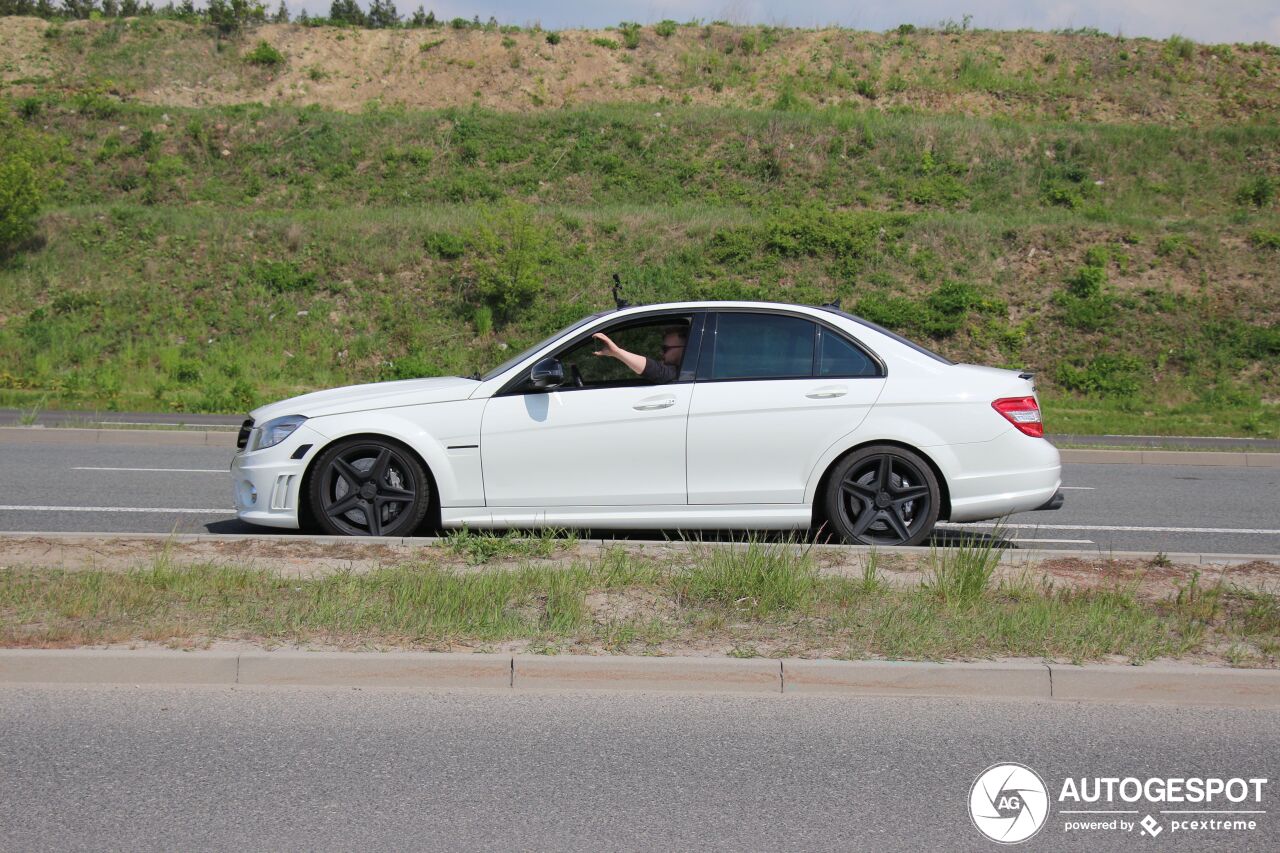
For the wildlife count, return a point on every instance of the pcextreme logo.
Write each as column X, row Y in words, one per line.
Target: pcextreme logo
column 1009, row 803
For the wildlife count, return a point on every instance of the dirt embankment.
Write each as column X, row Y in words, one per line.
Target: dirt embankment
column 1015, row 74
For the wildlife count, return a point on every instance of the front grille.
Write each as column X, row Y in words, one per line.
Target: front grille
column 243, row 438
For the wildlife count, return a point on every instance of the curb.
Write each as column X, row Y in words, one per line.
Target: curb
column 1158, row 684
column 1200, row 458
column 410, row 544
column 223, row 438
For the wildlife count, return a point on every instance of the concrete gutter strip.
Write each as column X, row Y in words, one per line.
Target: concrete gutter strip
column 1012, row 680
column 224, row 438
column 1165, row 684
column 703, row 675
column 1182, row 685
column 390, row 669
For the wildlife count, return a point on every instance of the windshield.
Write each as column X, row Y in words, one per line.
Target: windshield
column 516, row 359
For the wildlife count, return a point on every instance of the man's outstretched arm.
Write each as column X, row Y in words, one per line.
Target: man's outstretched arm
column 610, row 349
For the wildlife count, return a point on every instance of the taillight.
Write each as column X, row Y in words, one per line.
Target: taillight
column 1022, row 412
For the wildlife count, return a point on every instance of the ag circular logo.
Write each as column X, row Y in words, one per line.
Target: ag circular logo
column 1008, row 803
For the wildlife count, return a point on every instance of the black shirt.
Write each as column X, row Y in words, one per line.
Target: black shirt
column 658, row 372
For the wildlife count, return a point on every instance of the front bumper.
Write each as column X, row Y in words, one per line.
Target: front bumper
column 266, row 484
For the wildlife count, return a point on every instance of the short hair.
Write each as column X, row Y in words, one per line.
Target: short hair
column 682, row 331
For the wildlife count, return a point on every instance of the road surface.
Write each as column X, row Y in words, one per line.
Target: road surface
column 295, row 769
column 1170, row 508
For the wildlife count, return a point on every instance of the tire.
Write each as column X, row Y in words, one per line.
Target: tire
column 368, row 487
column 882, row 495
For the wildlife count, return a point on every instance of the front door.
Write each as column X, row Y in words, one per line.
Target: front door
column 607, row 437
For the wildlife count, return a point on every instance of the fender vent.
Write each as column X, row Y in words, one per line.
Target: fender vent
column 280, row 491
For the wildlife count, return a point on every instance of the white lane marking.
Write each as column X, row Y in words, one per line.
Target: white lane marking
column 171, row 470
column 1060, row 541
column 1078, row 488
column 1114, row 527
column 185, row 427
column 219, row 511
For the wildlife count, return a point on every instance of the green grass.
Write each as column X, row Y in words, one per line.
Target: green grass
column 757, row 579
column 484, row 546
column 307, row 301
column 745, row 600
column 326, row 248
column 961, row 573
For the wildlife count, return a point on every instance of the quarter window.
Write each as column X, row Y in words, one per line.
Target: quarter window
column 762, row 346
column 838, row 357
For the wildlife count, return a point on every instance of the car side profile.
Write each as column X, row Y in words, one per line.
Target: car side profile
column 778, row 417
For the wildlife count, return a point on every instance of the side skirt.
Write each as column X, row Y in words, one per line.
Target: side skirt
column 709, row 516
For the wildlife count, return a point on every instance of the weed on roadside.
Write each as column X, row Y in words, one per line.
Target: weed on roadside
column 485, row 546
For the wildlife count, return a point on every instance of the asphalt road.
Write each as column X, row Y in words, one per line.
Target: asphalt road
column 103, row 487
column 291, row 769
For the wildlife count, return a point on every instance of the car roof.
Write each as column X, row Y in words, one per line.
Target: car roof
column 812, row 310
column 713, row 303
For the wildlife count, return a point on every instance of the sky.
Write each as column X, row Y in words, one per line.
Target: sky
column 1200, row 20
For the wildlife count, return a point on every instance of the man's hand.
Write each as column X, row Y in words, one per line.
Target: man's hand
column 612, row 350
column 607, row 346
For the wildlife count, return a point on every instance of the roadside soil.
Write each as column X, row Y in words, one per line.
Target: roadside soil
column 1150, row 578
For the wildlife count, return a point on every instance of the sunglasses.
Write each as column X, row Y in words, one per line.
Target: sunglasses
column 666, row 347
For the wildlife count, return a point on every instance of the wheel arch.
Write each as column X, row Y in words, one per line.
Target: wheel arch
column 819, row 511
column 432, row 519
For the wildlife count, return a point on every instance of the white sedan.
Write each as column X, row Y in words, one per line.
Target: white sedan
column 746, row 415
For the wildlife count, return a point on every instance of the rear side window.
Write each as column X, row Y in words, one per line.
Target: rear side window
column 838, row 357
column 762, row 346
column 888, row 334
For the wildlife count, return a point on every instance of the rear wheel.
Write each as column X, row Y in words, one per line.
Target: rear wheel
column 369, row 487
column 882, row 495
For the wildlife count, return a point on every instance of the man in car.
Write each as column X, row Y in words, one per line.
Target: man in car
column 651, row 370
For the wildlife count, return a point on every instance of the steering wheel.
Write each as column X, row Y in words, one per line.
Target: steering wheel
column 577, row 375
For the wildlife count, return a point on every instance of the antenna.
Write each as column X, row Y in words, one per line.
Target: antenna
column 617, row 293
column 834, row 303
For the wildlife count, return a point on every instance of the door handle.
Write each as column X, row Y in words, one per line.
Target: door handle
column 651, row 405
column 827, row 393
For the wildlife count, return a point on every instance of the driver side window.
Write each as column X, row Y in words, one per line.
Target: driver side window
column 584, row 369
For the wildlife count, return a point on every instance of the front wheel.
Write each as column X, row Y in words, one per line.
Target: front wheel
column 882, row 495
column 368, row 487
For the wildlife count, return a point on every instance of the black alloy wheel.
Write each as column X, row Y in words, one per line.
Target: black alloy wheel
column 883, row 495
column 369, row 487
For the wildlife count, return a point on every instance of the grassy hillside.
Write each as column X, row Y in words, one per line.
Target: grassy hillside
column 208, row 258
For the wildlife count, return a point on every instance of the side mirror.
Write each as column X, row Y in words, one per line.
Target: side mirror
column 546, row 374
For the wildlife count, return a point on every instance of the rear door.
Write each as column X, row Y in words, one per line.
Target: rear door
column 773, row 391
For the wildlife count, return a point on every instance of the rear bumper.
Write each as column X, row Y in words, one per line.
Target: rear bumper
column 1012, row 473
column 1054, row 502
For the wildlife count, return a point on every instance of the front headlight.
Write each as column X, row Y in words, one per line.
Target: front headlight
column 277, row 430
